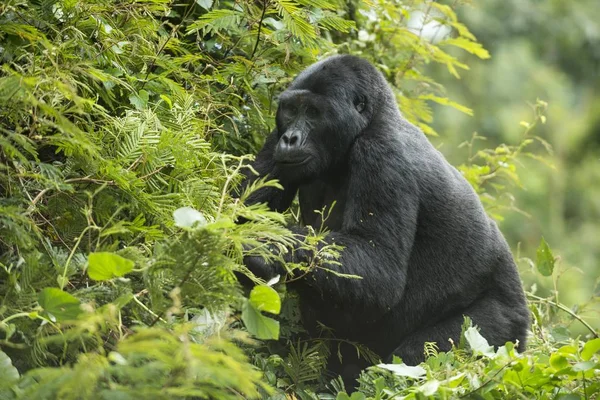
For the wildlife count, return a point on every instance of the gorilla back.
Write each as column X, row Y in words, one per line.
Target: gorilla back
column 411, row 225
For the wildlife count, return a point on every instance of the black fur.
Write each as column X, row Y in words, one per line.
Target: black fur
column 412, row 226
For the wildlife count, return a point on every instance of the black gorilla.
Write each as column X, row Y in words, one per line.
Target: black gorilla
column 411, row 225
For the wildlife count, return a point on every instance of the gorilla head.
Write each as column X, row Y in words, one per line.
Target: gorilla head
column 321, row 114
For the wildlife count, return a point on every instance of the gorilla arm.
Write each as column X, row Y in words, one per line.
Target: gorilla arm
column 377, row 236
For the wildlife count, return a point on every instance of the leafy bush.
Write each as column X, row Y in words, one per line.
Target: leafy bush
column 116, row 114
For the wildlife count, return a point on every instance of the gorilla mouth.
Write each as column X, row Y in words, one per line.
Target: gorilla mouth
column 292, row 162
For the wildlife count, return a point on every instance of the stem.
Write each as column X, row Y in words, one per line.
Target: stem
column 567, row 310
column 227, row 182
column 260, row 24
column 183, row 280
column 139, row 303
column 162, row 47
column 64, row 274
column 14, row 316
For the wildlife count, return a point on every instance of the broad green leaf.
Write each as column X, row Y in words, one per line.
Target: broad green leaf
column 59, row 305
column 265, row 298
column 567, row 350
column 404, row 370
column 558, row 361
column 8, row 373
column 590, row 348
column 545, row 259
column 560, row 333
column 257, row 324
column 478, row 343
column 103, row 266
column 140, row 100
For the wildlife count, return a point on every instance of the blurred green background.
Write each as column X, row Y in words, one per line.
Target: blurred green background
column 548, row 50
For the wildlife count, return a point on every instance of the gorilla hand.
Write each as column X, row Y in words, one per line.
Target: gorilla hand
column 268, row 269
column 264, row 269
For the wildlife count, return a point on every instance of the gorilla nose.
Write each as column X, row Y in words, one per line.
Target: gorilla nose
column 290, row 140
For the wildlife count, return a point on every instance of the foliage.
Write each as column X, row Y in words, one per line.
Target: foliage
column 477, row 371
column 123, row 129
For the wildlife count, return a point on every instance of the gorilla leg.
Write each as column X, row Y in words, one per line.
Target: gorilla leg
column 496, row 320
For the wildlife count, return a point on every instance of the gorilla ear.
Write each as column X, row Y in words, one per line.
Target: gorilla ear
column 359, row 103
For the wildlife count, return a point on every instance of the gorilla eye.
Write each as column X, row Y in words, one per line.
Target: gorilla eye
column 359, row 104
column 312, row 112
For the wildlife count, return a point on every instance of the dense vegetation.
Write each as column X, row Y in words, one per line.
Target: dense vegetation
column 124, row 126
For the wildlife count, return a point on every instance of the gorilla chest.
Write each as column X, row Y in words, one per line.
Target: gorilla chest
column 322, row 204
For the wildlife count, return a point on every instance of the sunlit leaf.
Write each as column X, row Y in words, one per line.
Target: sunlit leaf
column 8, row 373
column 103, row 266
column 545, row 260
column 265, row 298
column 590, row 348
column 257, row 324
column 59, row 305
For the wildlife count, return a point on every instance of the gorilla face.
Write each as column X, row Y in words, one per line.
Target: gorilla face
column 318, row 119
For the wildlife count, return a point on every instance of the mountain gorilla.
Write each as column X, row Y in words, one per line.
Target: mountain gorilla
column 411, row 225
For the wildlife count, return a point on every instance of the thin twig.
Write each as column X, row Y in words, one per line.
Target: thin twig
column 87, row 179
column 490, row 380
column 162, row 47
column 567, row 310
column 183, row 280
column 260, row 24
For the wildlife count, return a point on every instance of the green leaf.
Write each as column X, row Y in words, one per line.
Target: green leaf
column 468, row 45
column 8, row 373
column 590, row 348
column 140, row 100
column 262, row 298
column 59, row 305
column 103, row 266
column 447, row 102
column 265, row 298
column 560, row 333
column 257, row 324
column 545, row 259
column 558, row 361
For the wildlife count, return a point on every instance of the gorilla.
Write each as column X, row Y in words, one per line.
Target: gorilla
column 409, row 223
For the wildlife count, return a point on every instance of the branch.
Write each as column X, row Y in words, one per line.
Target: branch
column 162, row 47
column 260, row 24
column 565, row 309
